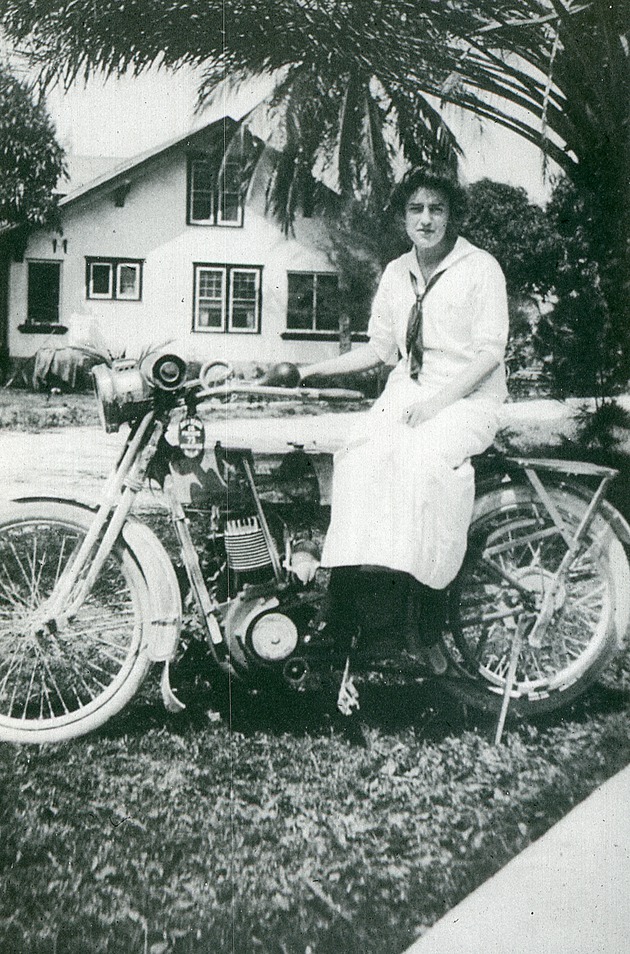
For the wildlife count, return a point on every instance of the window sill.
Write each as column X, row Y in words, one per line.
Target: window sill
column 224, row 331
column 357, row 336
column 42, row 329
column 215, row 225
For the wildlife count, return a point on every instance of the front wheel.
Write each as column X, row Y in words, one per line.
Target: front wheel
column 515, row 549
column 60, row 679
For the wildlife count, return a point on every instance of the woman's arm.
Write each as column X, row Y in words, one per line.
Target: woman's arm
column 463, row 384
column 359, row 359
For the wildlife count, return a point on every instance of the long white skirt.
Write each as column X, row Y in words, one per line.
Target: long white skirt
column 403, row 496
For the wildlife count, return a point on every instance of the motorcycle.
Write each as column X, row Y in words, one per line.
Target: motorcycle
column 90, row 599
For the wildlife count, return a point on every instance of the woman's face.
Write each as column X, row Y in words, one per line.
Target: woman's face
column 426, row 218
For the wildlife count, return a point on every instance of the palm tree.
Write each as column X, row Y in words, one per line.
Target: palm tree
column 557, row 72
column 359, row 77
column 336, row 109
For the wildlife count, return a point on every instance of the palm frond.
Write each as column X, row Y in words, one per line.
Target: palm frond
column 350, row 123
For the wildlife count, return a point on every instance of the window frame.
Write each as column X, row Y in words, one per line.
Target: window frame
column 115, row 264
column 215, row 177
column 121, row 296
column 227, row 297
column 313, row 330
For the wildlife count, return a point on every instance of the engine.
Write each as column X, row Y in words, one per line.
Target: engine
column 245, row 545
column 270, row 632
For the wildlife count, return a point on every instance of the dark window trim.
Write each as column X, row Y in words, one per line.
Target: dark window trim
column 357, row 336
column 301, row 332
column 43, row 328
column 214, row 223
column 228, row 267
column 115, row 261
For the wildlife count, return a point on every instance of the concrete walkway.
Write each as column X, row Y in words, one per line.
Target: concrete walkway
column 568, row 893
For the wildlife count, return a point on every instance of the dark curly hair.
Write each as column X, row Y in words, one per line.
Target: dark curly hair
column 439, row 178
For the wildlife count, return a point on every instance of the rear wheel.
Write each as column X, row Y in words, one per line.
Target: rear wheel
column 60, row 679
column 515, row 549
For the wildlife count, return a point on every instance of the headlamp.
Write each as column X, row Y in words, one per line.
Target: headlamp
column 123, row 393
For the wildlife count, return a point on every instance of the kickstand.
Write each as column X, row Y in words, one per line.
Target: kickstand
column 348, row 698
column 517, row 644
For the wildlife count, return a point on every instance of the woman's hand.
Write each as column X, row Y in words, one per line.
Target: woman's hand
column 421, row 411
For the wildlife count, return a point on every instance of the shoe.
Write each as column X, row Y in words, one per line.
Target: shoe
column 435, row 659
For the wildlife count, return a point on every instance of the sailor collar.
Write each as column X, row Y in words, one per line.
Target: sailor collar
column 462, row 249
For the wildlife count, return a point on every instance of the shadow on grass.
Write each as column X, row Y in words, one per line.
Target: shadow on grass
column 599, row 700
column 421, row 706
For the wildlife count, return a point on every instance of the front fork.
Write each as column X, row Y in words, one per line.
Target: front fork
column 119, row 494
column 206, row 605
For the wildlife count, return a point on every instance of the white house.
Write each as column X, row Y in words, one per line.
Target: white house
column 165, row 247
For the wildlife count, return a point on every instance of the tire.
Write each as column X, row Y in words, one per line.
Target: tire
column 590, row 617
column 57, row 684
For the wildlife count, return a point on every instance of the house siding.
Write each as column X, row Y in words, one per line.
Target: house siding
column 151, row 226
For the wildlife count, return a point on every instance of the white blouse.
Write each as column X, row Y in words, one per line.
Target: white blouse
column 464, row 313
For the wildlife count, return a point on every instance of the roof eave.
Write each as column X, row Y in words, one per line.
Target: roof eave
column 121, row 173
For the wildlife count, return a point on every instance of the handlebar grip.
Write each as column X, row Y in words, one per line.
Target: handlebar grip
column 283, row 375
column 331, row 394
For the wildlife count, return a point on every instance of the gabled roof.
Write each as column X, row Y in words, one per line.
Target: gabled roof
column 83, row 169
column 120, row 174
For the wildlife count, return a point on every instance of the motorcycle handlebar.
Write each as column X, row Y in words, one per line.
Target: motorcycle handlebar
column 318, row 394
column 227, row 386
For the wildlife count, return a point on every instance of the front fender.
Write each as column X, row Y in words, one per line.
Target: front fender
column 163, row 589
column 163, row 594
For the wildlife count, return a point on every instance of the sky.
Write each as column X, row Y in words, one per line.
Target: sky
column 125, row 117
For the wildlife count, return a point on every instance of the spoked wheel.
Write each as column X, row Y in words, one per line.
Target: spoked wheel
column 60, row 678
column 515, row 550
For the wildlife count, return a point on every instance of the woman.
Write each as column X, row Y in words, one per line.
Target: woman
column 403, row 485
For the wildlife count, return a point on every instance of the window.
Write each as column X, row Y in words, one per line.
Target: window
column 43, row 293
column 313, row 302
column 214, row 191
column 114, row 279
column 227, row 298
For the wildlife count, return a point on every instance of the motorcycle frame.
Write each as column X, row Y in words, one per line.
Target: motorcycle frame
column 131, row 470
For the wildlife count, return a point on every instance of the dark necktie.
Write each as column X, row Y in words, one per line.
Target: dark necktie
column 414, row 337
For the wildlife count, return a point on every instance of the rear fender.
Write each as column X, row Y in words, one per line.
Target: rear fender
column 492, row 491
column 163, row 594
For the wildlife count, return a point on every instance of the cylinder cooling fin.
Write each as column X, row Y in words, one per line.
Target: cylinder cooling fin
column 245, row 545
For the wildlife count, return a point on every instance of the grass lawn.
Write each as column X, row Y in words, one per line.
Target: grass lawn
column 279, row 829
column 35, row 411
column 276, row 831
column 23, row 410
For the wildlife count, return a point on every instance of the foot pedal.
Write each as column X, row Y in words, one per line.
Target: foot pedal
column 436, row 660
column 348, row 698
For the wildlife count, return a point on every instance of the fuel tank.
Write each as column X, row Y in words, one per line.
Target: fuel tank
column 217, row 478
